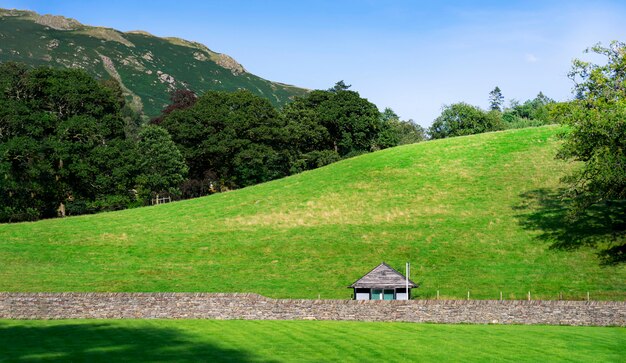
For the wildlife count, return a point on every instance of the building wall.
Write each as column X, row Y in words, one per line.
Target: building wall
column 362, row 296
column 401, row 295
column 256, row 307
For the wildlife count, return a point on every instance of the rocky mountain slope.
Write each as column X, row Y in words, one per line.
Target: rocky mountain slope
column 148, row 67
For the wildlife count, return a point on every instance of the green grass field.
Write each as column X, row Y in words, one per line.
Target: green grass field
column 298, row 341
column 463, row 210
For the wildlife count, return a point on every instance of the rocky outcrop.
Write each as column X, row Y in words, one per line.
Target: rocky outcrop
column 228, row 62
column 222, row 60
column 135, row 103
column 108, row 34
column 57, row 22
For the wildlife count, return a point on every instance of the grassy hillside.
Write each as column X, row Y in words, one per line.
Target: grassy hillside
column 148, row 67
column 298, row 341
column 452, row 207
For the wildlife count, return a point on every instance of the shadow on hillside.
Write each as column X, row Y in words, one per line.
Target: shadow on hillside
column 108, row 342
column 603, row 228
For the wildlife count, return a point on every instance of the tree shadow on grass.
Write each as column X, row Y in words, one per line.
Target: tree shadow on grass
column 601, row 227
column 108, row 342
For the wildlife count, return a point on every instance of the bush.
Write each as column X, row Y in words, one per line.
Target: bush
column 461, row 119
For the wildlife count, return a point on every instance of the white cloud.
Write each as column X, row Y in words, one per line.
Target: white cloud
column 531, row 58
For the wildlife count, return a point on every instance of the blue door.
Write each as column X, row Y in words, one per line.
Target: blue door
column 377, row 294
column 389, row 295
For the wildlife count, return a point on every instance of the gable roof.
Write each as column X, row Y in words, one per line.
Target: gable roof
column 383, row 276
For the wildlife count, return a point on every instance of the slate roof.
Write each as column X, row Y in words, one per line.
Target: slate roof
column 383, row 276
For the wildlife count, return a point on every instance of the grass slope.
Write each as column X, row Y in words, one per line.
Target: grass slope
column 147, row 66
column 297, row 341
column 448, row 206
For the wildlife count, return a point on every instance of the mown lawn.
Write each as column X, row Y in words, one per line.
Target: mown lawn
column 301, row 341
column 469, row 213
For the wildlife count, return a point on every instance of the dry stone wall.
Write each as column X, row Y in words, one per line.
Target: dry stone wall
column 256, row 307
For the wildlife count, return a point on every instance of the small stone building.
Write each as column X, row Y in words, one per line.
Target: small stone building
column 382, row 283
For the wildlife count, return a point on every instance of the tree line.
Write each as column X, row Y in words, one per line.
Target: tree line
column 232, row 140
column 460, row 119
column 70, row 145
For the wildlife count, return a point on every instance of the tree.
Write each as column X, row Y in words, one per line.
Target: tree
column 398, row 132
column 461, row 119
column 352, row 122
column 325, row 126
column 596, row 136
column 410, row 132
column 26, row 170
column 180, row 99
column 237, row 139
column 67, row 148
column 234, row 138
column 531, row 113
column 161, row 165
column 133, row 119
column 340, row 86
column 61, row 141
column 496, row 100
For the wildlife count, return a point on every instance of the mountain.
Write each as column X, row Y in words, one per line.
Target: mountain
column 147, row 67
column 470, row 213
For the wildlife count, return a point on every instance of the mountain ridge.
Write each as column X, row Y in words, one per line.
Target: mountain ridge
column 147, row 67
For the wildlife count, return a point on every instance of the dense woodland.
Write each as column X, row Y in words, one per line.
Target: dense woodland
column 70, row 144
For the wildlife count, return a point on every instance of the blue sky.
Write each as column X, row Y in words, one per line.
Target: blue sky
column 412, row 56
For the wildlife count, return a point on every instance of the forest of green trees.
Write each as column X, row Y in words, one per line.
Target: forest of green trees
column 70, row 145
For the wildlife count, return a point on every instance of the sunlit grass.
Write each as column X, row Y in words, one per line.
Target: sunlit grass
column 298, row 341
column 448, row 206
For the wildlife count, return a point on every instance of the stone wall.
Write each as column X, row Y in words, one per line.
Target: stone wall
column 256, row 307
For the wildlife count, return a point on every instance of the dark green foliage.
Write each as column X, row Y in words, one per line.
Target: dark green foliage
column 71, row 145
column 238, row 139
column 335, row 120
column 67, row 148
column 180, row 99
column 461, row 119
column 314, row 159
column 535, row 112
column 398, row 132
column 496, row 99
column 340, row 86
column 596, row 136
column 161, row 166
column 132, row 119
column 234, row 139
column 58, row 129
